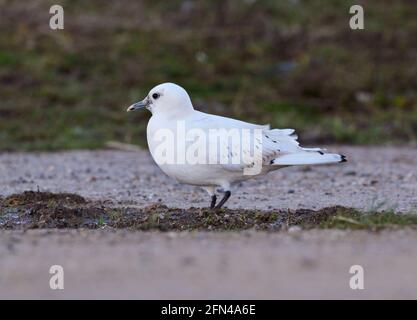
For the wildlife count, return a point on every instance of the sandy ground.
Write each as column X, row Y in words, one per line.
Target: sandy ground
column 373, row 178
column 247, row 264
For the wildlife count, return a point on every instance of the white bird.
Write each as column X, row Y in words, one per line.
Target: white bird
column 172, row 110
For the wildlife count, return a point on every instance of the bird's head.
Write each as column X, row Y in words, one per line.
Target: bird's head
column 168, row 99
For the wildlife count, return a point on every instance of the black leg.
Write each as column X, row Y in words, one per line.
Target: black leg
column 226, row 196
column 213, row 201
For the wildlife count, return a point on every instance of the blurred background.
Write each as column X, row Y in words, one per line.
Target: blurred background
column 291, row 63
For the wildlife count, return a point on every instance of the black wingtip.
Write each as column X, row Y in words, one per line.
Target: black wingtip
column 343, row 158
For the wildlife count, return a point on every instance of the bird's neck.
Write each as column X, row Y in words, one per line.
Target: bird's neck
column 175, row 113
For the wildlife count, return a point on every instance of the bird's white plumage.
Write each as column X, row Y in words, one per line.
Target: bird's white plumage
column 171, row 105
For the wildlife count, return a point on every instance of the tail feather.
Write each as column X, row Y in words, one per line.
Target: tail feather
column 320, row 150
column 308, row 158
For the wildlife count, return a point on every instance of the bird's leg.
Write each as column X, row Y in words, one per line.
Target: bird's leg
column 226, row 196
column 212, row 193
column 213, row 201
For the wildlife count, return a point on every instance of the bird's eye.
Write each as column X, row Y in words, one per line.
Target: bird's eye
column 155, row 96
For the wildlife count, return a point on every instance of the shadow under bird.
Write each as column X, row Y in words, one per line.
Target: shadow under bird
column 226, row 164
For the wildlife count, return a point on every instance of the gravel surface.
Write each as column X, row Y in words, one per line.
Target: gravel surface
column 374, row 177
column 306, row 264
column 112, row 263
